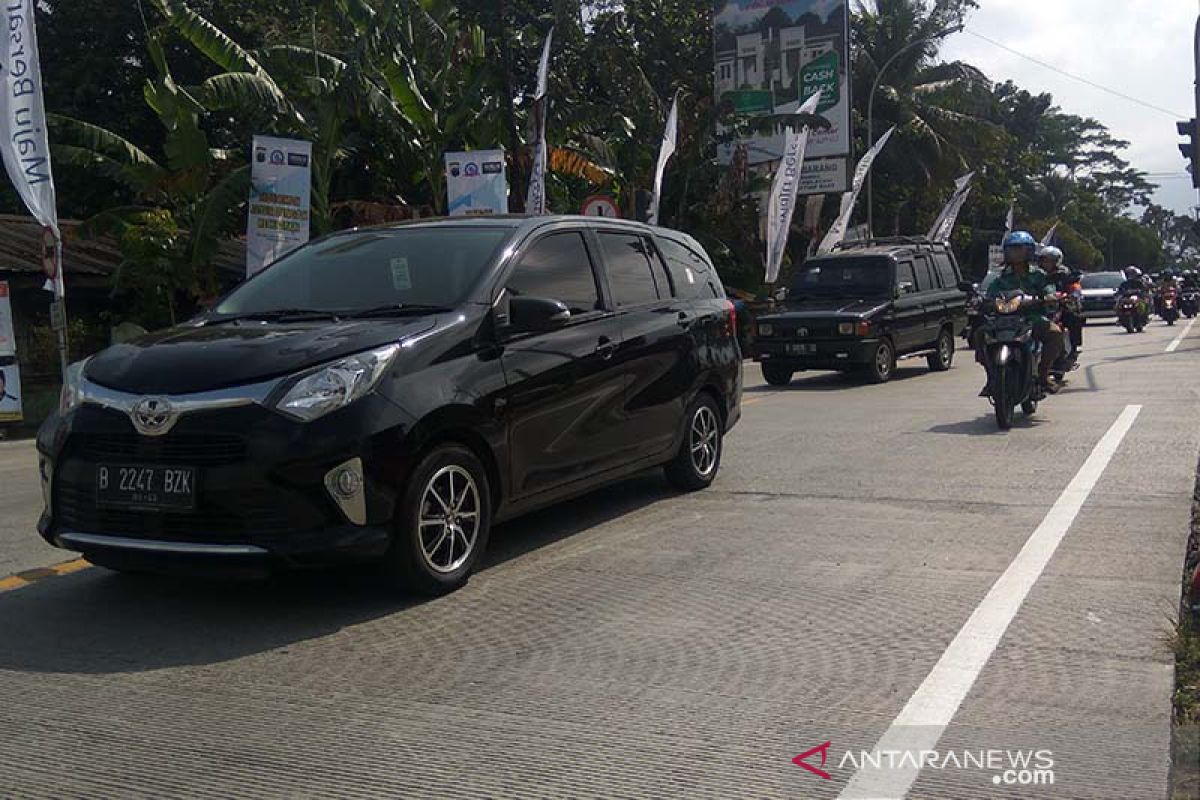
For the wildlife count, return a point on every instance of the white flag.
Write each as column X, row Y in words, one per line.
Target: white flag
column 1048, row 239
column 669, row 142
column 535, row 200
column 1009, row 220
column 837, row 231
column 943, row 226
column 782, row 203
column 26, row 153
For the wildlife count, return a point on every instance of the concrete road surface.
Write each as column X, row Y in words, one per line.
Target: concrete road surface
column 876, row 564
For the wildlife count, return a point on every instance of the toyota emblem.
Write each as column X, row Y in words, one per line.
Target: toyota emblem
column 802, row 332
column 152, row 416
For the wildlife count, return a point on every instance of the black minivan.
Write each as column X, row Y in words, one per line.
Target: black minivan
column 389, row 393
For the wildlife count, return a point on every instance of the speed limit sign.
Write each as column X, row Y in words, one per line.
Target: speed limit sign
column 600, row 205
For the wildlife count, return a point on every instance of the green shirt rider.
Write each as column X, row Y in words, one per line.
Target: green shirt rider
column 1020, row 250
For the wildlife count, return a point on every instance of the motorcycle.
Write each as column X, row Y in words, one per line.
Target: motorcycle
column 1133, row 311
column 1069, row 360
column 1169, row 303
column 1189, row 303
column 974, row 304
column 1011, row 357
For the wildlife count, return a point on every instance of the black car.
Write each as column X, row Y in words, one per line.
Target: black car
column 390, row 393
column 862, row 307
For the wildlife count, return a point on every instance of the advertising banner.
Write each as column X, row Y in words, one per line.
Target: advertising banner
column 280, row 200
column 23, row 145
column 781, row 205
column 8, row 340
column 10, row 392
column 943, row 226
column 665, row 151
column 476, row 183
column 771, row 56
column 837, row 231
column 535, row 198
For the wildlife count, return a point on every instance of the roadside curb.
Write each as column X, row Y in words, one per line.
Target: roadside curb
column 31, row 576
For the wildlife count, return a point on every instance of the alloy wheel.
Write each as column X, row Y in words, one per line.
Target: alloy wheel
column 448, row 526
column 703, row 441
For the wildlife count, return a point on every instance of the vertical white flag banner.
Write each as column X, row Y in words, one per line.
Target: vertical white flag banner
column 535, row 201
column 26, row 152
column 943, row 226
column 1009, row 221
column 837, row 231
column 782, row 203
column 1048, row 239
column 280, row 200
column 669, row 143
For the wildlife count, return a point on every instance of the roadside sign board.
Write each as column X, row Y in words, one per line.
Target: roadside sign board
column 476, row 183
column 8, row 341
column 599, row 205
column 280, row 200
column 10, row 392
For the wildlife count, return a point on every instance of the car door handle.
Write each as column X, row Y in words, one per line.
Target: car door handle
column 605, row 348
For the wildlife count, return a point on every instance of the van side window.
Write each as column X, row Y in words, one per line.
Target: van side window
column 945, row 270
column 925, row 280
column 558, row 267
column 905, row 275
column 627, row 259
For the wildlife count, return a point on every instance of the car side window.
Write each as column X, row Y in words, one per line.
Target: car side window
column 558, row 267
column 925, row 280
column 627, row 258
column 945, row 270
column 905, row 276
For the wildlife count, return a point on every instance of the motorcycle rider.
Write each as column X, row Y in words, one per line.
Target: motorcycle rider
column 1189, row 279
column 1134, row 281
column 1067, row 282
column 1020, row 274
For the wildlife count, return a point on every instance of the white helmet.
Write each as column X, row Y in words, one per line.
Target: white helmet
column 1051, row 252
column 1132, row 272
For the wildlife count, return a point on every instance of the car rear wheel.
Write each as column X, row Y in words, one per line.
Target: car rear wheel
column 442, row 522
column 883, row 363
column 942, row 358
column 695, row 465
column 777, row 375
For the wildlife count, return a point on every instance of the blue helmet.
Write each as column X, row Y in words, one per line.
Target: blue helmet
column 1020, row 239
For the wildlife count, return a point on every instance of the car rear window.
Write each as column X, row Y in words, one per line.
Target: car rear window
column 1102, row 280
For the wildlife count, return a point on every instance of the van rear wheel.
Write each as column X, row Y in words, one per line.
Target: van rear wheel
column 942, row 358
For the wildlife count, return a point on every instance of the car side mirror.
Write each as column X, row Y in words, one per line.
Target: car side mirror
column 968, row 287
column 905, row 287
column 532, row 314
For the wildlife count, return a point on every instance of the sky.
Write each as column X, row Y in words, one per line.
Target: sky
column 1141, row 48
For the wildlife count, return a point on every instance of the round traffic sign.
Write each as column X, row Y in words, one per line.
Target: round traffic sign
column 600, row 205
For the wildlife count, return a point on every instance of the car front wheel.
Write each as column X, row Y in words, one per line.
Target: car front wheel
column 777, row 375
column 695, row 465
column 442, row 522
column 882, row 364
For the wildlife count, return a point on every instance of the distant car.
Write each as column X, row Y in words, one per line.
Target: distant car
column 386, row 394
column 864, row 306
column 1100, row 293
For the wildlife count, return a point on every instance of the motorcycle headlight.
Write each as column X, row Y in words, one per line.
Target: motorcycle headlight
column 336, row 385
column 71, row 395
column 1010, row 306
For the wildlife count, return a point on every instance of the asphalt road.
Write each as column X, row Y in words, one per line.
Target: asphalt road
column 875, row 564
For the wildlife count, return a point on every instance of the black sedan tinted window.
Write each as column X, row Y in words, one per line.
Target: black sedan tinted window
column 557, row 267
column 368, row 269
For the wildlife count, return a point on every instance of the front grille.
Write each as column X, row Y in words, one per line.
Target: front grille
column 76, row 510
column 188, row 450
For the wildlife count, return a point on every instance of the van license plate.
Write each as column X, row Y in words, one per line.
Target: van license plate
column 801, row 349
column 141, row 486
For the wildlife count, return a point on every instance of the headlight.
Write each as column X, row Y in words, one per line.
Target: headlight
column 846, row 328
column 1010, row 306
column 766, row 330
column 336, row 385
column 72, row 391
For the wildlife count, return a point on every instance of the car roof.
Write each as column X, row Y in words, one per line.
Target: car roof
column 526, row 222
column 888, row 247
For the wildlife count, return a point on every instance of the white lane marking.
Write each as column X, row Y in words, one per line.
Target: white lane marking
column 923, row 720
column 1173, row 346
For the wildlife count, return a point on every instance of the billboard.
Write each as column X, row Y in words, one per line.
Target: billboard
column 476, row 183
column 8, row 340
column 772, row 55
column 10, row 392
column 280, row 199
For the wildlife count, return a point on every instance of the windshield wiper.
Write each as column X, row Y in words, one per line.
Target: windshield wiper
column 397, row 310
column 275, row 315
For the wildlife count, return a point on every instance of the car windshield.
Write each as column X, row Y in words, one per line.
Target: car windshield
column 418, row 267
column 1102, row 280
column 842, row 277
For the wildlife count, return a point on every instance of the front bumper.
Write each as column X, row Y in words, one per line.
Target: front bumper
column 833, row 354
column 261, row 494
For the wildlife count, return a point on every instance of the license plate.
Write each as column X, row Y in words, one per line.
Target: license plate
column 141, row 486
column 801, row 349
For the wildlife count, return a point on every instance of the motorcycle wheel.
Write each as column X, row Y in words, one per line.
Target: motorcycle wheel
column 1002, row 397
column 1171, row 321
column 1030, row 407
column 1128, row 326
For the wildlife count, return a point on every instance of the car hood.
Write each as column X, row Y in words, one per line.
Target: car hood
column 190, row 358
column 824, row 309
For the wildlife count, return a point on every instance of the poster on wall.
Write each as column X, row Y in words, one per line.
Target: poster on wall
column 476, row 183
column 280, row 199
column 771, row 56
column 10, row 391
column 8, row 339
